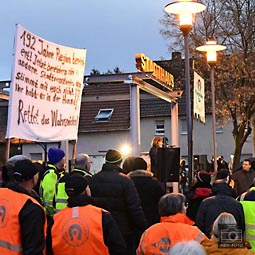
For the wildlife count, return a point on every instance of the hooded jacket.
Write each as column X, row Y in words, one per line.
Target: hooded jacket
column 150, row 191
column 195, row 196
column 211, row 207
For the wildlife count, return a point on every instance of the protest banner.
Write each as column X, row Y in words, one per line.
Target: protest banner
column 46, row 89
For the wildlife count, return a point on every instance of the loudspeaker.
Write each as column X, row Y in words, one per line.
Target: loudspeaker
column 168, row 164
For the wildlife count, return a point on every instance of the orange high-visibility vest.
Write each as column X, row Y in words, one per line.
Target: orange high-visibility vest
column 78, row 230
column 160, row 237
column 11, row 203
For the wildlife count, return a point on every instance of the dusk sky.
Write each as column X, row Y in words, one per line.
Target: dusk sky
column 112, row 31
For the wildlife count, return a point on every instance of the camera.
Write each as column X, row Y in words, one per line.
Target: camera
column 230, row 234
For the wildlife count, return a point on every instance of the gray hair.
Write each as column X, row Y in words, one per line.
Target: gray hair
column 190, row 248
column 223, row 218
column 14, row 159
column 171, row 204
column 82, row 161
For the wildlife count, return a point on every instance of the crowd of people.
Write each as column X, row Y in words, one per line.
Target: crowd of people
column 122, row 209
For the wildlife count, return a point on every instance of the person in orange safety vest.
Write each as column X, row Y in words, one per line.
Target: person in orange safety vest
column 22, row 218
column 81, row 228
column 174, row 227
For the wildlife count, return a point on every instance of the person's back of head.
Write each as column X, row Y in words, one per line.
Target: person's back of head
column 140, row 164
column 75, row 184
column 25, row 174
column 7, row 171
column 223, row 219
column 223, row 175
column 113, row 157
column 12, row 160
column 203, row 179
column 187, row 248
column 128, row 164
column 55, row 156
column 171, row 204
column 82, row 161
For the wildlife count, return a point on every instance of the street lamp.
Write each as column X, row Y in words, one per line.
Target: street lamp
column 185, row 10
column 211, row 48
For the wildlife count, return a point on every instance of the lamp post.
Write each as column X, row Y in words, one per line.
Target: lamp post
column 185, row 9
column 211, row 48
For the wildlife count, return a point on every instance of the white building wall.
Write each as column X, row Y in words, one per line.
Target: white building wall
column 97, row 144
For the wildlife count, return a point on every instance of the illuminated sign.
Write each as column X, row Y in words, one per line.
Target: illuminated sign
column 144, row 64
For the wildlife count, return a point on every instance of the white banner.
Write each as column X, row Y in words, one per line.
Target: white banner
column 46, row 89
column 199, row 97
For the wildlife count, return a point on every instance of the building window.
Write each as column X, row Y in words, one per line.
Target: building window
column 159, row 127
column 104, row 115
column 36, row 156
column 184, row 127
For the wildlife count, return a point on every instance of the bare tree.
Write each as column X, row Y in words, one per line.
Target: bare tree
column 232, row 23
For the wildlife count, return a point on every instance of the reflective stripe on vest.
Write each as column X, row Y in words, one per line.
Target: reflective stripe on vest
column 47, row 190
column 84, row 172
column 61, row 196
column 199, row 237
column 11, row 203
column 12, row 247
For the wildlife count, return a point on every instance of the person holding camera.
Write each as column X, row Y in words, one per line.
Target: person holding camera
column 226, row 238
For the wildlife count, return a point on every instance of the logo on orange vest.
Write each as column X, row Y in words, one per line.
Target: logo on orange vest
column 75, row 231
column 164, row 245
column 4, row 212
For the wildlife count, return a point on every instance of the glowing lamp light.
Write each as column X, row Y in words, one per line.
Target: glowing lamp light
column 185, row 9
column 125, row 150
column 211, row 48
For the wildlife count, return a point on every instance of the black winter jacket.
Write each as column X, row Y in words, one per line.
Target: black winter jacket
column 115, row 192
column 211, row 207
column 150, row 191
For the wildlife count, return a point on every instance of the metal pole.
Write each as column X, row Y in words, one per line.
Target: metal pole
column 188, row 107
column 174, row 124
column 213, row 119
column 135, row 120
column 8, row 148
column 175, row 138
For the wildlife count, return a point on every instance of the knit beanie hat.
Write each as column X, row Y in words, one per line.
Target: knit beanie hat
column 55, row 155
column 222, row 174
column 140, row 164
column 75, row 184
column 113, row 157
column 204, row 177
column 24, row 170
